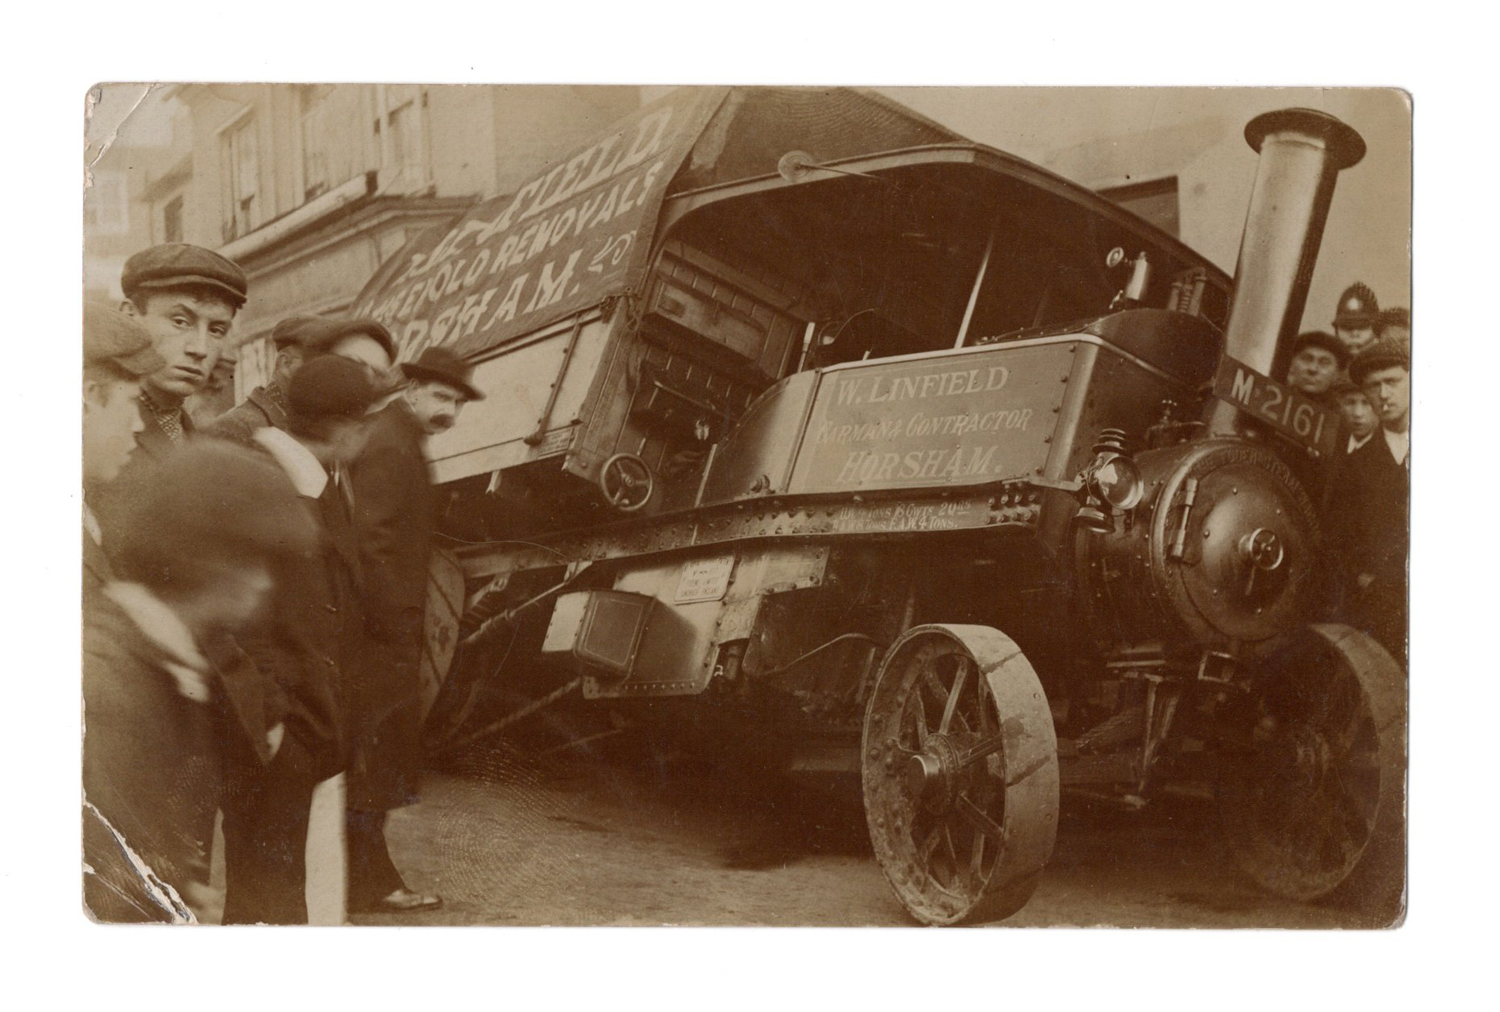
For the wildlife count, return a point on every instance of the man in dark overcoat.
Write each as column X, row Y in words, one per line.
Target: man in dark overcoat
column 300, row 656
column 196, row 556
column 1374, row 501
column 394, row 516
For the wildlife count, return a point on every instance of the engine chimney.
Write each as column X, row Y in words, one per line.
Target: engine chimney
column 1302, row 152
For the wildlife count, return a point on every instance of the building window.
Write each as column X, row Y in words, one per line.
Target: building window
column 240, row 160
column 107, row 209
column 403, row 145
column 171, row 220
column 332, row 117
column 1155, row 200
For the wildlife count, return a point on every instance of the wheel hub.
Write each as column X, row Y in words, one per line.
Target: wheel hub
column 1301, row 758
column 933, row 775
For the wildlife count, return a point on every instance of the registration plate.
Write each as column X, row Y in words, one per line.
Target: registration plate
column 704, row 579
column 1289, row 412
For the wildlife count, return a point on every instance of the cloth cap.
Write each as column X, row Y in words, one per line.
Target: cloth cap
column 206, row 503
column 1326, row 341
column 1383, row 354
column 301, row 332
column 1342, row 386
column 443, row 366
column 114, row 339
column 1397, row 316
column 350, row 326
column 181, row 265
column 1357, row 307
column 330, row 385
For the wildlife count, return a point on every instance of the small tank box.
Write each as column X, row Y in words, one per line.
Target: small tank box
column 601, row 628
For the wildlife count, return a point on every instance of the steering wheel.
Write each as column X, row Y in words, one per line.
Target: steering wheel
column 626, row 482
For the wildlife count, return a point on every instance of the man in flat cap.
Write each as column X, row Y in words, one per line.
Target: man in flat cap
column 196, row 555
column 186, row 297
column 394, row 515
column 297, row 340
column 1317, row 360
column 117, row 355
column 366, row 341
column 1354, row 319
column 1377, row 495
column 304, row 655
column 1395, row 324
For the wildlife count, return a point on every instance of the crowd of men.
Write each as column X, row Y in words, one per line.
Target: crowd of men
column 253, row 598
column 1363, row 369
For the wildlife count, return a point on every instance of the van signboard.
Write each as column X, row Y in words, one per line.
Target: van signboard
column 932, row 420
column 567, row 239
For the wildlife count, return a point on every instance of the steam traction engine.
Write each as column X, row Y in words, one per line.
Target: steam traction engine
column 908, row 455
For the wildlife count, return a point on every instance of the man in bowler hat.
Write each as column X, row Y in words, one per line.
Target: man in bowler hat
column 394, row 516
column 304, row 656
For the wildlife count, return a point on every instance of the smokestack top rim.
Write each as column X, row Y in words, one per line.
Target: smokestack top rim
column 1345, row 146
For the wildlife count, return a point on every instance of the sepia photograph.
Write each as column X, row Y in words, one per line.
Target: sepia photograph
column 622, row 505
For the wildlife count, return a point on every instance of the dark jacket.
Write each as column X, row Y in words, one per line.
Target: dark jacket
column 240, row 423
column 311, row 638
column 150, row 774
column 1377, row 492
column 1371, row 525
column 152, row 442
column 393, row 509
column 97, row 571
column 151, row 445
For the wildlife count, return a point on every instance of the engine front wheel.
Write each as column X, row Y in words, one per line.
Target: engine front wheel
column 1314, row 804
column 960, row 775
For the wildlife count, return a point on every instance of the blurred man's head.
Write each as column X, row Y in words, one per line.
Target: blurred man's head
column 117, row 354
column 1317, row 360
column 1383, row 371
column 205, row 530
column 186, row 297
column 1354, row 406
column 441, row 384
column 299, row 339
column 328, row 406
column 367, row 342
column 1354, row 321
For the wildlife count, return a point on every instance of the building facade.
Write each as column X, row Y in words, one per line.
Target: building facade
column 310, row 187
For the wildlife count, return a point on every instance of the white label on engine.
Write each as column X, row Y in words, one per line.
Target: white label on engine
column 704, row 579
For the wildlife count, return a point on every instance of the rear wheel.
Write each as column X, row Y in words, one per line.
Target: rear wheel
column 960, row 776
column 1315, row 804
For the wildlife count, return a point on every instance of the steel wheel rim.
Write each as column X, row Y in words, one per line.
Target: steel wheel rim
column 957, row 840
column 1303, row 807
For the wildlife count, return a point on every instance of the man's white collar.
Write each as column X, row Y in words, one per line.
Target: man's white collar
column 307, row 473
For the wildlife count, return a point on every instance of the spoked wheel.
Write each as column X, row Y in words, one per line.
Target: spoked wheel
column 960, row 774
column 1316, row 801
